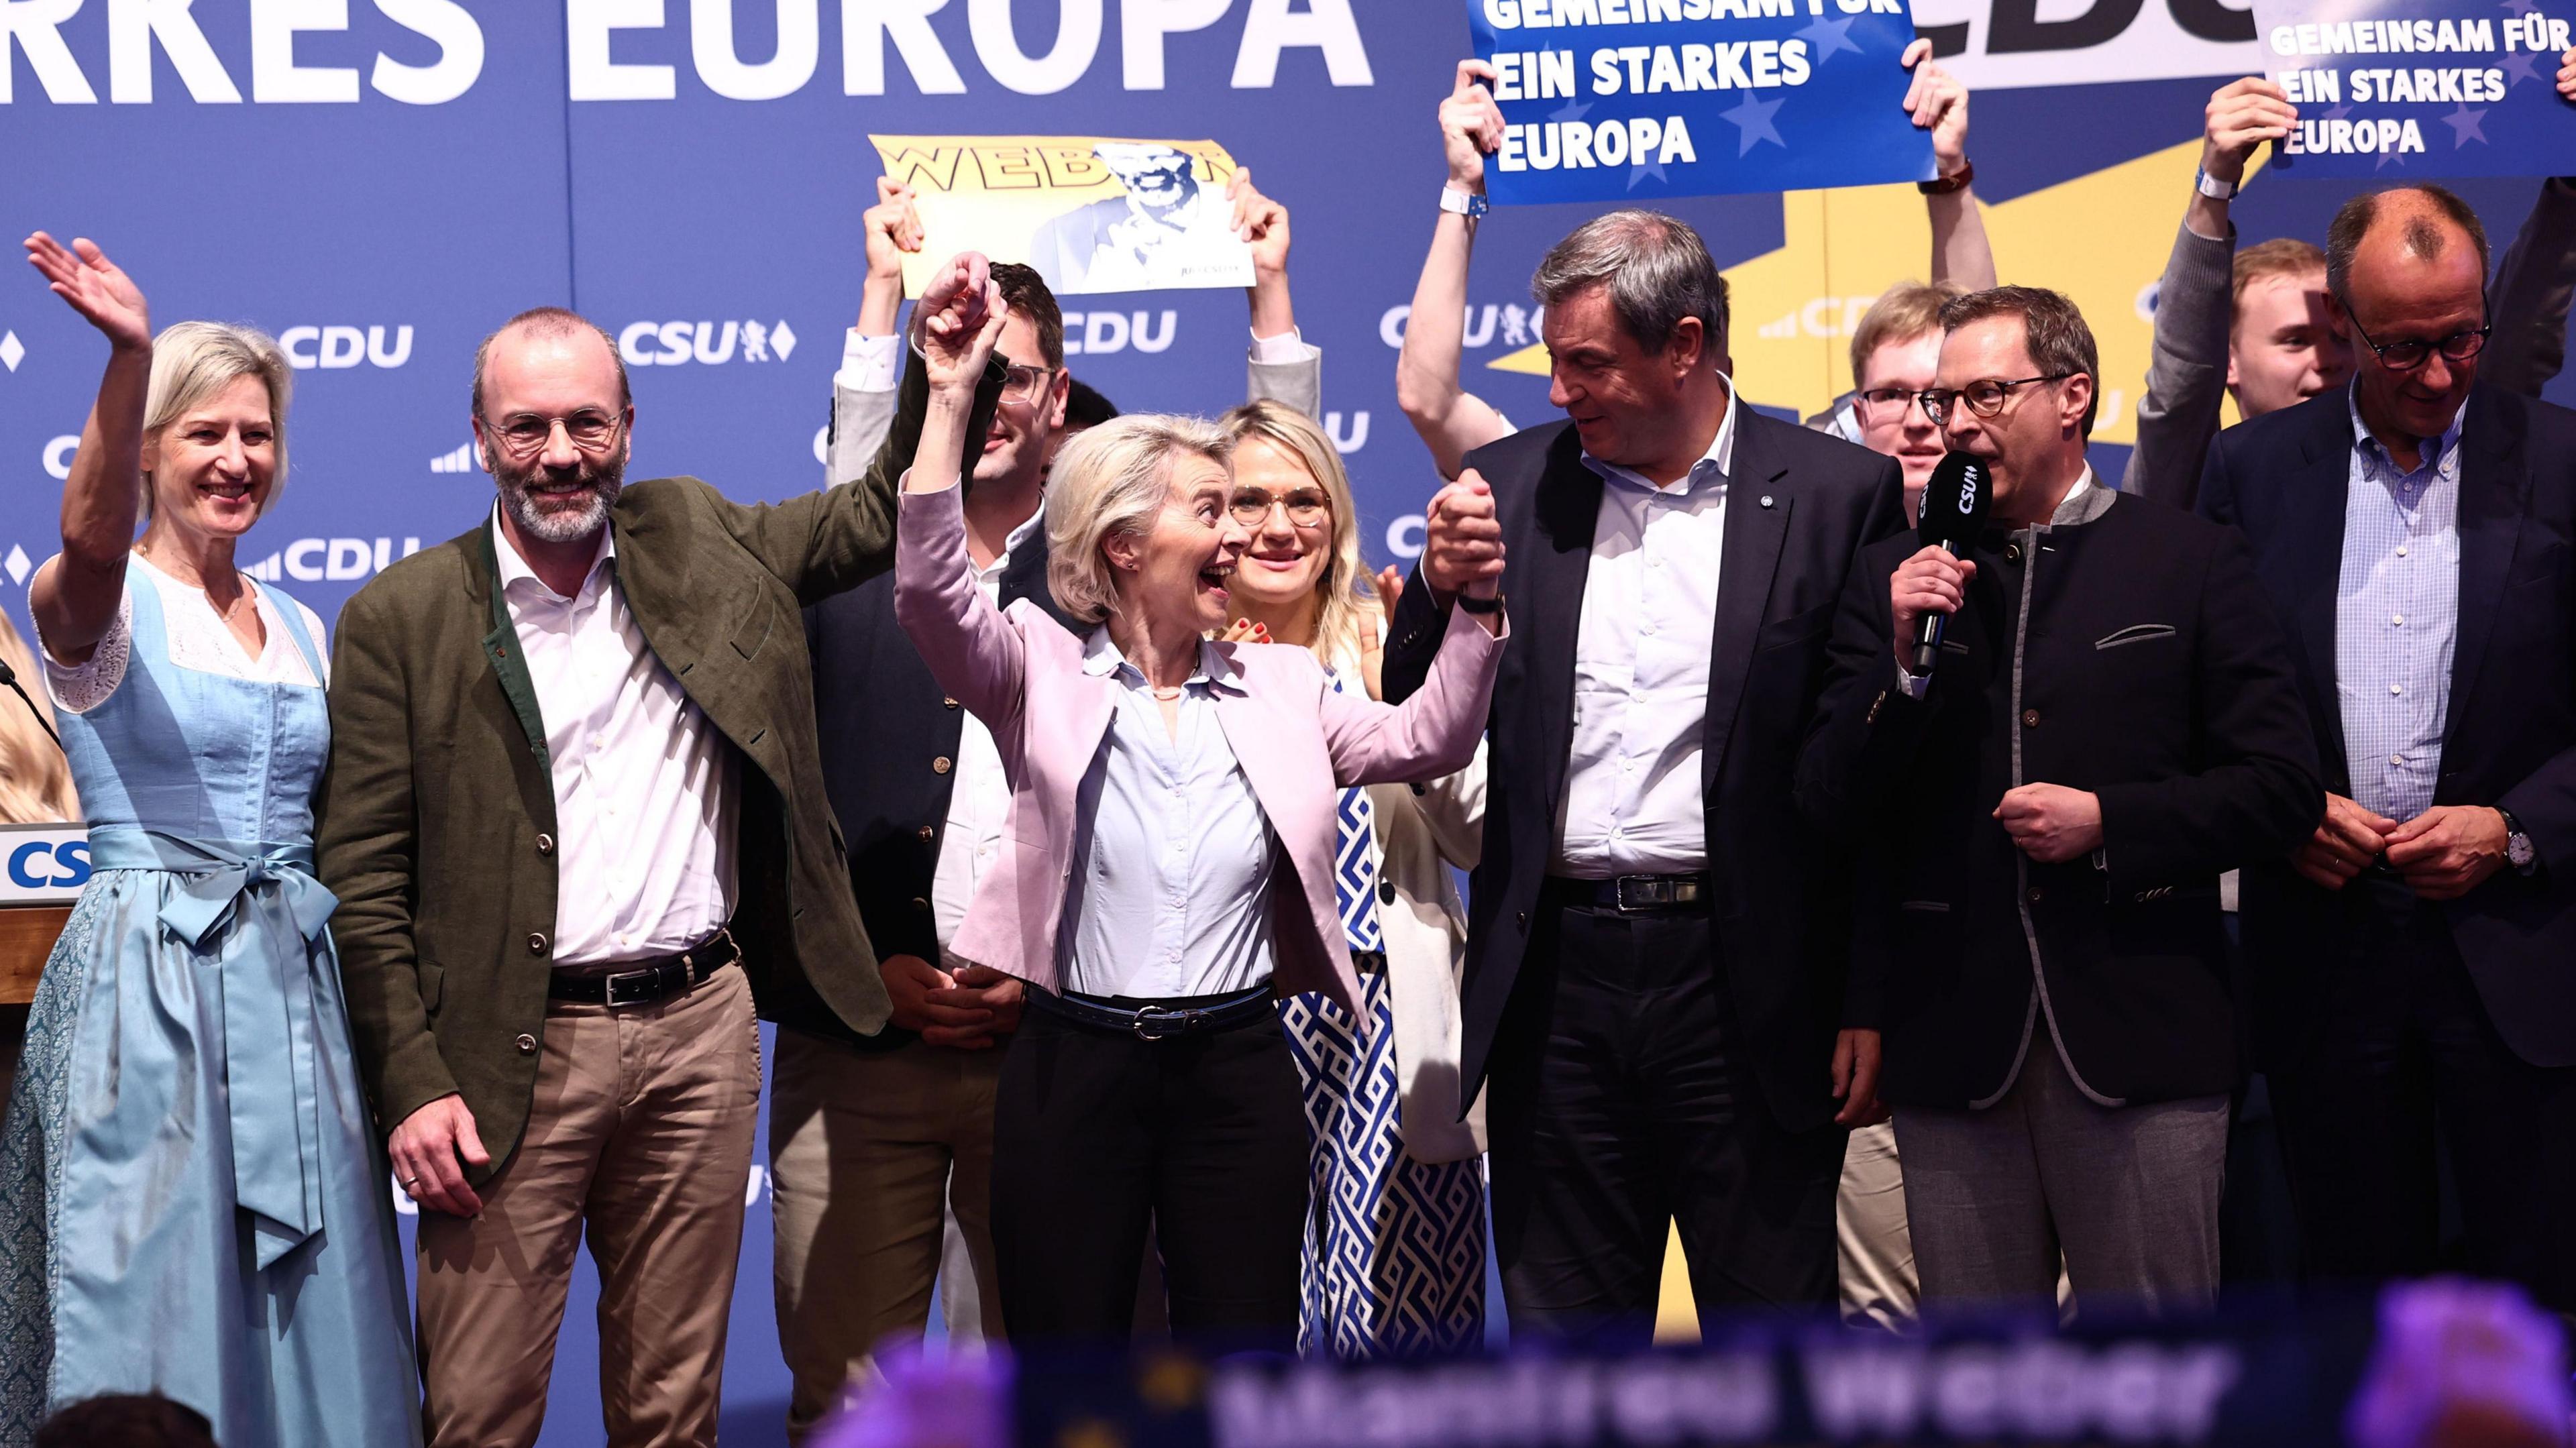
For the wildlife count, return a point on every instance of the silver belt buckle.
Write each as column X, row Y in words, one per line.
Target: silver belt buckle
column 1146, row 1024
column 1619, row 893
column 638, row 977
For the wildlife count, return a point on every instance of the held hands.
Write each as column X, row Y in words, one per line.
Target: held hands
column 2051, row 823
column 425, row 1150
column 2449, row 850
column 980, row 988
column 1932, row 581
column 96, row 288
column 2344, row 844
column 929, row 1001
column 1855, row 1079
column 1937, row 103
column 2243, row 114
column 1471, row 126
column 959, row 319
column 1462, row 545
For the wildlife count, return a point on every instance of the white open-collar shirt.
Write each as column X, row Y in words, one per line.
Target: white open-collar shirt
column 644, row 787
column 1633, row 801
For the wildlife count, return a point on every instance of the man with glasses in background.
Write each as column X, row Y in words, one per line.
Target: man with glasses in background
column 575, row 818
column 2411, row 959
column 2040, row 823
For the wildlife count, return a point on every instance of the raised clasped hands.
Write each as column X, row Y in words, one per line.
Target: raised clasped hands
column 1462, row 542
column 961, row 314
column 96, row 288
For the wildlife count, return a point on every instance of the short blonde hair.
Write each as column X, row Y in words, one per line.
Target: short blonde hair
column 1109, row 480
column 2282, row 256
column 1902, row 313
column 35, row 779
column 1348, row 596
column 192, row 361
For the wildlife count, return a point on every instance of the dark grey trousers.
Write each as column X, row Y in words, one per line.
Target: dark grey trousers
column 2129, row 1195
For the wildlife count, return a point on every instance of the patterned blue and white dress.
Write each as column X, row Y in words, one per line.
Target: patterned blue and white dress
column 1394, row 1260
column 192, row 1194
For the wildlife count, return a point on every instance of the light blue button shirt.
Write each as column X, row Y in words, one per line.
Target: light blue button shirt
column 1172, row 855
column 2397, row 618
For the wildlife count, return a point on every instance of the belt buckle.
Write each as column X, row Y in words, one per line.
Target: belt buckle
column 1147, row 1024
column 645, row 977
column 1619, row 894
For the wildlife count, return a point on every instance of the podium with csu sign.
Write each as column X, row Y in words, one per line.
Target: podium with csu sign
column 42, row 870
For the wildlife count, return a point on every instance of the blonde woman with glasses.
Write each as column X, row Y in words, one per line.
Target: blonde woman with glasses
column 191, row 1197
column 1394, row 1261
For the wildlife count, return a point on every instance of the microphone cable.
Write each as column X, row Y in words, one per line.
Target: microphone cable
column 9, row 676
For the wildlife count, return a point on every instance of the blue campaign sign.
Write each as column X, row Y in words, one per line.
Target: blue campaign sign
column 1619, row 100
column 2419, row 87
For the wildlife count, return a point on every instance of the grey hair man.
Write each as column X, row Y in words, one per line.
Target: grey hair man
column 1675, row 560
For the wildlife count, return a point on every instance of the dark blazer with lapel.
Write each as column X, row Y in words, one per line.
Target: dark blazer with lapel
column 1800, row 506
column 2509, row 739
column 437, row 821
column 2151, row 675
column 891, row 792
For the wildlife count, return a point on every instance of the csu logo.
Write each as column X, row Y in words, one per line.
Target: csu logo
column 49, row 865
column 674, row 344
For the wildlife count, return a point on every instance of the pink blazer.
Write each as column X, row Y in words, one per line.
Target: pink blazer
column 1299, row 743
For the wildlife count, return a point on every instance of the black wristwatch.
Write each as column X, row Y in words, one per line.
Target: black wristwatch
column 2518, row 850
column 1481, row 605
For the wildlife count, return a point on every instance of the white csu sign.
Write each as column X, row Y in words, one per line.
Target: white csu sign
column 138, row 30
column 43, row 864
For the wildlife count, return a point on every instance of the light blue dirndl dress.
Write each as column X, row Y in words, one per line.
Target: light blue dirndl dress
column 192, row 1196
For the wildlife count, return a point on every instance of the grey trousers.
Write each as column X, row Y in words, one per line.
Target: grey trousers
column 2129, row 1194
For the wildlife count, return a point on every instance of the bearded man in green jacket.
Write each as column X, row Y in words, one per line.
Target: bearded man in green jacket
column 576, row 821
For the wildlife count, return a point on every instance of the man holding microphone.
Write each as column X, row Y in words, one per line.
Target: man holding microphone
column 2041, row 805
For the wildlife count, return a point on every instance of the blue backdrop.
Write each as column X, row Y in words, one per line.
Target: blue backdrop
column 385, row 182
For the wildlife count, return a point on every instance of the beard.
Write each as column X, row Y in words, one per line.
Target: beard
column 545, row 508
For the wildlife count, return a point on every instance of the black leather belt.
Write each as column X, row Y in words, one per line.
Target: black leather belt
column 1637, row 894
column 650, row 980
column 1161, row 1020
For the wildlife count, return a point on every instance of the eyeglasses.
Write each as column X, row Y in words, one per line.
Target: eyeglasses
column 1985, row 397
column 1306, row 507
column 1025, row 384
column 1887, row 404
column 2407, row 354
column 526, row 434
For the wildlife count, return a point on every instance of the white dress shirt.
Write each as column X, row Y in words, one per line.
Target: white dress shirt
column 1169, row 894
column 644, row 787
column 979, row 795
column 1633, row 802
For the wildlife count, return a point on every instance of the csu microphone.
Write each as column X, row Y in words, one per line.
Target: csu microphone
column 1954, row 513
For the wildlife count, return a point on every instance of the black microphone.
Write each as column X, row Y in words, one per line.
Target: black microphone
column 1954, row 513
column 9, row 679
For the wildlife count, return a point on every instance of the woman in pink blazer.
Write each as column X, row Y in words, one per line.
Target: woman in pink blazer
column 1168, row 863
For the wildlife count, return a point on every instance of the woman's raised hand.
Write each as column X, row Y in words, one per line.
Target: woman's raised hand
column 961, row 318
column 96, row 288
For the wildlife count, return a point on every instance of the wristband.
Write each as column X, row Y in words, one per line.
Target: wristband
column 1956, row 181
column 2213, row 188
column 1463, row 203
column 1473, row 604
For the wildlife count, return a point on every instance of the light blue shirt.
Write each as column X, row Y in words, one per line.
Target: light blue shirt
column 1172, row 855
column 2397, row 618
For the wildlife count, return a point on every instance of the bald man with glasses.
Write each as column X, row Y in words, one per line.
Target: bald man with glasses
column 2411, row 959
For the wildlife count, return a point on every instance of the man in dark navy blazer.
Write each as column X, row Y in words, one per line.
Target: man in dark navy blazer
column 2415, row 961
column 1654, row 978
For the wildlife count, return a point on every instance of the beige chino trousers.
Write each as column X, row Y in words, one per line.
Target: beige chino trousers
column 641, row 1133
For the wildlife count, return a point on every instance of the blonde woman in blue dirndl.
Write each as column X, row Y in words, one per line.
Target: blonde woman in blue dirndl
column 193, row 1199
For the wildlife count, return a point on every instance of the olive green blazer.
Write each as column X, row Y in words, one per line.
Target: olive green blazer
column 436, row 820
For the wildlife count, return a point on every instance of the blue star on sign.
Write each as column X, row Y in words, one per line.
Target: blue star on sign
column 2517, row 65
column 2467, row 125
column 2520, row 7
column 1570, row 111
column 1752, row 116
column 1644, row 169
column 1829, row 36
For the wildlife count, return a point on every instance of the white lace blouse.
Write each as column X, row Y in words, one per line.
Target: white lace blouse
column 199, row 639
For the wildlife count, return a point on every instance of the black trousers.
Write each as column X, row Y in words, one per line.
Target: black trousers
column 1617, row 1102
column 1096, row 1134
column 2401, row 1061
